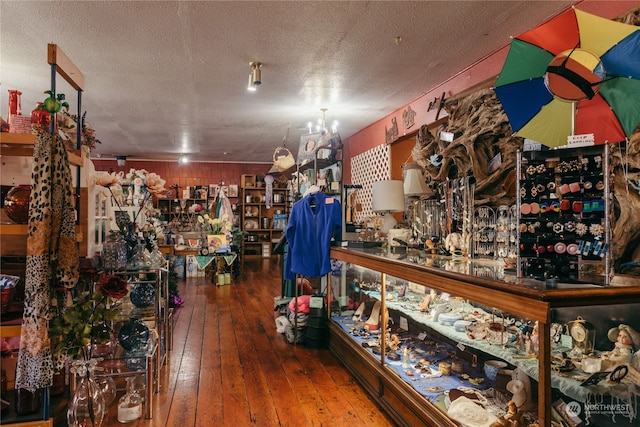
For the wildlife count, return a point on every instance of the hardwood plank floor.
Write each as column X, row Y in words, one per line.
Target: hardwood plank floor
column 230, row 367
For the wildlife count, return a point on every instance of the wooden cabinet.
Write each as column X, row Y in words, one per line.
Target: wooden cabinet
column 262, row 224
column 484, row 285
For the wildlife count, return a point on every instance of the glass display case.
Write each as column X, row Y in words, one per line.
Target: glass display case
column 422, row 331
column 142, row 332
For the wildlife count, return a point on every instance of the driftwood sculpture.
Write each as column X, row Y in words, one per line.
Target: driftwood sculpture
column 482, row 132
column 626, row 231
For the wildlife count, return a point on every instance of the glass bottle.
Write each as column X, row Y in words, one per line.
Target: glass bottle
column 86, row 406
column 157, row 258
column 141, row 258
column 130, row 405
column 14, row 104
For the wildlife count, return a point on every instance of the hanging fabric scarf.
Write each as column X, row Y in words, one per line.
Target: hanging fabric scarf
column 268, row 180
column 52, row 258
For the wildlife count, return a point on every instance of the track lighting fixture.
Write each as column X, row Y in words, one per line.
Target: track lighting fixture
column 255, row 77
column 121, row 160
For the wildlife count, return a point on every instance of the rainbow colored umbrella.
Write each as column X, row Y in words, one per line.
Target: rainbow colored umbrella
column 575, row 74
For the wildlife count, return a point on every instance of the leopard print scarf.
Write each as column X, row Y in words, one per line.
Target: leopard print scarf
column 52, row 257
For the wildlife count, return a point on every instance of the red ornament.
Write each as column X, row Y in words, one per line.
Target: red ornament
column 16, row 204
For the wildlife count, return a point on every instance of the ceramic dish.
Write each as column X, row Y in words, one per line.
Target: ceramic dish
column 560, row 248
column 250, row 224
column 461, row 325
column 449, row 318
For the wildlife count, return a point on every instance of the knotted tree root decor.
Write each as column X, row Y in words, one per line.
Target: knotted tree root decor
column 482, row 131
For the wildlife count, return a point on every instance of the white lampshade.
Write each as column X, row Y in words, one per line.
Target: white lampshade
column 386, row 197
column 414, row 183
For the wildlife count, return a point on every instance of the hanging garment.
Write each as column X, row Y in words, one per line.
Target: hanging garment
column 52, row 258
column 312, row 223
column 224, row 207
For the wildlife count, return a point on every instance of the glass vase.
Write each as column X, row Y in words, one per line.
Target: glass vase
column 108, row 387
column 114, row 252
column 86, row 407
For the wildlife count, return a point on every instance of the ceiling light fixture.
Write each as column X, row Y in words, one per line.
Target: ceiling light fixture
column 121, row 160
column 183, row 159
column 255, row 77
column 322, row 125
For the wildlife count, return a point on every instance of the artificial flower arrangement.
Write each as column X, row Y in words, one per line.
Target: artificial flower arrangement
column 68, row 123
column 140, row 185
column 212, row 225
column 86, row 319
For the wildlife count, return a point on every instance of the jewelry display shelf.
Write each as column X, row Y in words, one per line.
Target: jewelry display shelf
column 563, row 205
column 482, row 283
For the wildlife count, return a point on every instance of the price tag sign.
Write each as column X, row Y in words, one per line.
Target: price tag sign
column 316, row 302
column 531, row 145
column 404, row 324
column 422, row 336
column 583, row 140
column 566, row 341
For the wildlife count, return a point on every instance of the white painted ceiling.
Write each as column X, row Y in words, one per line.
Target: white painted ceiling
column 170, row 77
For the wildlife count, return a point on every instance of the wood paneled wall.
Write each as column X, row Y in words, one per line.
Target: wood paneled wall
column 192, row 173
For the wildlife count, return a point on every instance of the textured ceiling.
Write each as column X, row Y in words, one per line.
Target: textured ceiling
column 170, row 77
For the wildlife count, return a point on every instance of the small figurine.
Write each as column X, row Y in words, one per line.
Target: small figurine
column 512, row 418
column 627, row 342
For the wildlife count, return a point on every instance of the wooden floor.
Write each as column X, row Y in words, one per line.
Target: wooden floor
column 230, row 367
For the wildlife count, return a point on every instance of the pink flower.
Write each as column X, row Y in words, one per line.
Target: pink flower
column 155, row 184
column 105, row 179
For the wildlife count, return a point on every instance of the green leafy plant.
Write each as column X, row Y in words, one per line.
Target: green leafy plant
column 87, row 319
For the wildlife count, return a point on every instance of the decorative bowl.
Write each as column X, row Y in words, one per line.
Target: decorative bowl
column 143, row 294
column 133, row 335
column 491, row 368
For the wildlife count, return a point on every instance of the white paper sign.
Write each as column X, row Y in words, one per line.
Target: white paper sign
column 404, row 324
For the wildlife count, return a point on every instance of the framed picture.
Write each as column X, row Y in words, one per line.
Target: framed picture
column 308, row 146
column 233, row 190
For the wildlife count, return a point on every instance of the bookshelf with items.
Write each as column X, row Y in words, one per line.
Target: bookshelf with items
column 262, row 223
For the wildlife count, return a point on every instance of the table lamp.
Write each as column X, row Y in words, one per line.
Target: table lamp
column 387, row 197
column 414, row 183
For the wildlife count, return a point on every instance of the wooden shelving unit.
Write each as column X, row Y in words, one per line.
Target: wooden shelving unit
column 13, row 237
column 255, row 236
column 21, row 144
